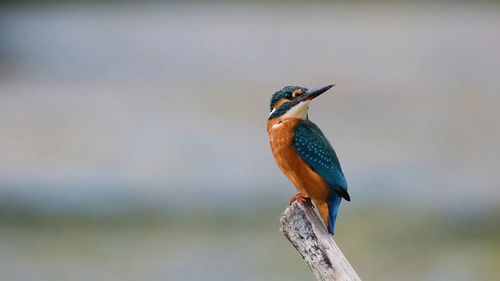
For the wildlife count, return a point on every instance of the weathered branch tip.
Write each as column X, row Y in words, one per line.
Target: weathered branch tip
column 303, row 228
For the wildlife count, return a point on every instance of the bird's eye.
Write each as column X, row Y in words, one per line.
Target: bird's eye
column 288, row 95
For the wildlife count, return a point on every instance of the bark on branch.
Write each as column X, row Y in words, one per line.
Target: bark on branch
column 301, row 225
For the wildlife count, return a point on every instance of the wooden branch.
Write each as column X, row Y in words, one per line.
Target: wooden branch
column 301, row 225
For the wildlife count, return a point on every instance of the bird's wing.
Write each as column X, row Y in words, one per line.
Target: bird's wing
column 313, row 147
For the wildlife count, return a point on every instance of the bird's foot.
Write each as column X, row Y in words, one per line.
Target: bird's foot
column 301, row 197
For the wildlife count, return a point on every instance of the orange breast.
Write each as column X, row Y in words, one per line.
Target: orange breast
column 308, row 182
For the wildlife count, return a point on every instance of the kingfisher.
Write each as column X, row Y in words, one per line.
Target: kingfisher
column 304, row 154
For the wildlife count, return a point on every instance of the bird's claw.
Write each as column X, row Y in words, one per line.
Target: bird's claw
column 302, row 198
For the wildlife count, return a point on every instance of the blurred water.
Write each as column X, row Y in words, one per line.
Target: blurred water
column 158, row 97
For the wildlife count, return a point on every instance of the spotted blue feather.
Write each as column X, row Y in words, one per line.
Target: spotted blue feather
column 313, row 147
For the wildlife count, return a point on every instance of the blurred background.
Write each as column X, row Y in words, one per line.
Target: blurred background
column 133, row 143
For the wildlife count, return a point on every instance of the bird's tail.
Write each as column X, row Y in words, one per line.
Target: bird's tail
column 333, row 209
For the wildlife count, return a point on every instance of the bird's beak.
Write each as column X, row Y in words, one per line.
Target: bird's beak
column 311, row 94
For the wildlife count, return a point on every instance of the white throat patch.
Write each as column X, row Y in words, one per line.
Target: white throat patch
column 298, row 111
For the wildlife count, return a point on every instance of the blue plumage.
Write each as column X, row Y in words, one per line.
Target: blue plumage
column 314, row 149
column 333, row 209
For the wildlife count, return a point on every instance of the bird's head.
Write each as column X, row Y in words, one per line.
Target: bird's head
column 293, row 101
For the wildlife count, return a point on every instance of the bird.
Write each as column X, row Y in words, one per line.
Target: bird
column 304, row 154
